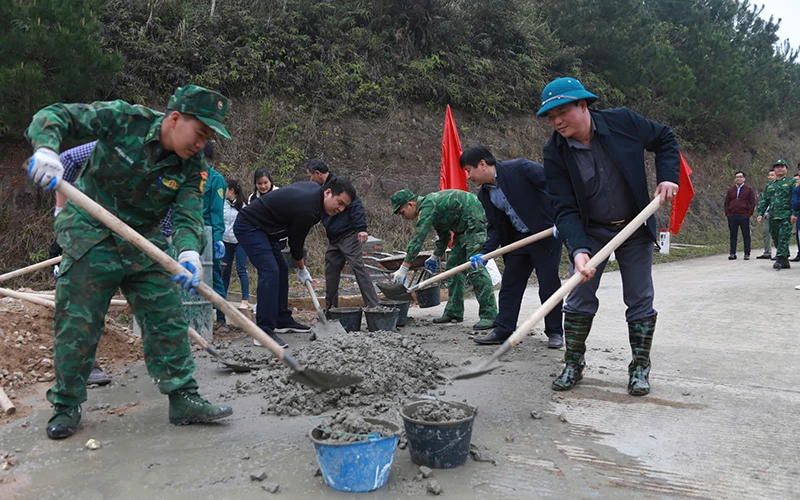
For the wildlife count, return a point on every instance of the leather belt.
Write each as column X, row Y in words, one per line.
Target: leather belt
column 615, row 223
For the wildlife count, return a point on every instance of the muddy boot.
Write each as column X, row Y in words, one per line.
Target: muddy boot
column 98, row 376
column 187, row 407
column 785, row 263
column 64, row 421
column 640, row 334
column 576, row 329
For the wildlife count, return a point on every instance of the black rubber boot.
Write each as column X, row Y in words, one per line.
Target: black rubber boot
column 576, row 330
column 64, row 421
column 785, row 263
column 640, row 334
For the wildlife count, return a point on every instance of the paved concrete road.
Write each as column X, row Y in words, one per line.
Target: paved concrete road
column 721, row 421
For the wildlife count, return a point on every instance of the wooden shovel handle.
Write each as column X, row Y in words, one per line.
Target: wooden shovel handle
column 6, row 404
column 494, row 253
column 30, row 269
column 576, row 278
column 29, row 297
column 140, row 242
column 197, row 338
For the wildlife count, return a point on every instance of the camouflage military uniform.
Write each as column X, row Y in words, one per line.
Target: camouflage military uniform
column 130, row 175
column 778, row 197
column 460, row 212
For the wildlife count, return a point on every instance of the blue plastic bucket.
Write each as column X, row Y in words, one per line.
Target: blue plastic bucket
column 359, row 466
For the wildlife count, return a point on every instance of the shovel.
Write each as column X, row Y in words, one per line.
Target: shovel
column 397, row 291
column 324, row 326
column 302, row 375
column 213, row 351
column 30, row 269
column 491, row 363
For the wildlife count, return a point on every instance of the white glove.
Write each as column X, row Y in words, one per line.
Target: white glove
column 304, row 276
column 45, row 168
column 399, row 276
column 190, row 260
column 56, row 211
column 55, row 271
column 555, row 232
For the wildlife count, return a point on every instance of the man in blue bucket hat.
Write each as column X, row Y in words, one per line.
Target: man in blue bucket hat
column 594, row 165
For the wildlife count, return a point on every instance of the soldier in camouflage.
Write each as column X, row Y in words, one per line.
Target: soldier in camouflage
column 144, row 162
column 778, row 198
column 445, row 211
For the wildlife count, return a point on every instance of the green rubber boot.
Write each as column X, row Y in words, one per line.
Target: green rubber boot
column 640, row 334
column 576, row 330
column 64, row 421
column 187, row 407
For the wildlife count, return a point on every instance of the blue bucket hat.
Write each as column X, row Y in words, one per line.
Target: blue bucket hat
column 562, row 91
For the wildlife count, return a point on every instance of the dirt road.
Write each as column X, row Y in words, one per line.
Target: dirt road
column 721, row 421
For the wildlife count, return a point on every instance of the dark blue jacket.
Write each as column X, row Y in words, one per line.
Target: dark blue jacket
column 625, row 135
column 522, row 182
column 796, row 200
column 352, row 219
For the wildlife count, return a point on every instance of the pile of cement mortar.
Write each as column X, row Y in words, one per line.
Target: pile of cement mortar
column 442, row 412
column 379, row 309
column 350, row 427
column 394, row 367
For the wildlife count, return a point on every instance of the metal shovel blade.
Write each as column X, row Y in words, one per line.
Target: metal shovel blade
column 394, row 291
column 328, row 327
column 471, row 371
column 322, row 380
column 233, row 366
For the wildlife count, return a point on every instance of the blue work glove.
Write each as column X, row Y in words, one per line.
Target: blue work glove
column 190, row 260
column 477, row 262
column 45, row 168
column 219, row 249
column 432, row 264
column 399, row 276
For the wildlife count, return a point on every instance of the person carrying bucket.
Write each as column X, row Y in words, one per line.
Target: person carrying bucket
column 445, row 211
column 144, row 162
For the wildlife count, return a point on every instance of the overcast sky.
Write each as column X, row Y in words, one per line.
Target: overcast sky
column 789, row 13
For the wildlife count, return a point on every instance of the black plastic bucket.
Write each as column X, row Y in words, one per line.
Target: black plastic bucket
column 429, row 297
column 402, row 308
column 349, row 317
column 381, row 319
column 438, row 445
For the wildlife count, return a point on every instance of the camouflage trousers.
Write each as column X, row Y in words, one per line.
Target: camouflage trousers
column 781, row 231
column 465, row 245
column 83, row 293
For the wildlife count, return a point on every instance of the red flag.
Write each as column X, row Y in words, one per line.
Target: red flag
column 452, row 176
column 681, row 202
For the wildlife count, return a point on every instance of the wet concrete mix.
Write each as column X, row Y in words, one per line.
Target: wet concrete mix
column 436, row 412
column 351, row 427
column 395, row 370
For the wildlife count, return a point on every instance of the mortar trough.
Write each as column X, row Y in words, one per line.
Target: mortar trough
column 429, row 296
column 381, row 318
column 402, row 308
column 441, row 444
column 349, row 317
column 356, row 466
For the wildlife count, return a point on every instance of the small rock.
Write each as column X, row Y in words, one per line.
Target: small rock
column 442, row 393
column 418, row 477
column 271, row 487
column 425, row 471
column 46, row 362
column 245, row 457
column 509, row 439
column 434, row 487
column 686, row 393
column 318, row 472
column 13, row 460
column 93, row 444
column 258, row 476
column 536, row 415
column 563, row 417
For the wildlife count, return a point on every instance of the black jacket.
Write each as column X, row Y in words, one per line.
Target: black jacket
column 625, row 135
column 289, row 211
column 352, row 219
column 523, row 184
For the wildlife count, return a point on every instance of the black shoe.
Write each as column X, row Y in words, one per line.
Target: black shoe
column 784, row 261
column 293, row 327
column 777, row 264
column 796, row 259
column 774, row 258
column 98, row 377
column 572, row 374
column 555, row 341
column 765, row 256
column 64, row 421
column 447, row 319
column 638, row 383
column 746, row 257
column 493, row 338
column 732, row 256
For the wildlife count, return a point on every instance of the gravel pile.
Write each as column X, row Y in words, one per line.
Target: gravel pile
column 394, row 368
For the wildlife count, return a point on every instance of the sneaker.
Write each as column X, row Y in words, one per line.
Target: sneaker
column 293, row 327
column 732, row 256
column 98, row 377
column 746, row 257
column 64, row 421
column 484, row 324
column 447, row 319
column 274, row 337
column 765, row 256
column 187, row 407
column 245, row 305
column 797, row 287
